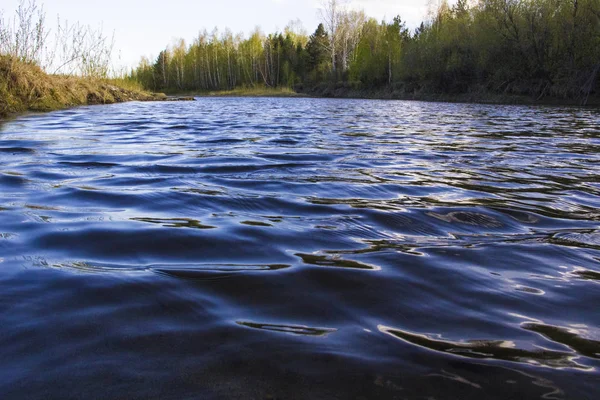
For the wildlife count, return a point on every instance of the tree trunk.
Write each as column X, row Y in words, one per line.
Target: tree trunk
column 390, row 67
column 589, row 85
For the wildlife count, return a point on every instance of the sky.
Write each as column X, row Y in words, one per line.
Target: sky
column 145, row 27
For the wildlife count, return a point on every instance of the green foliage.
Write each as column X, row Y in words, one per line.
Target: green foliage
column 534, row 48
column 370, row 64
column 319, row 63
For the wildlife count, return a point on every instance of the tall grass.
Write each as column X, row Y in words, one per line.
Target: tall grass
column 43, row 69
column 66, row 48
column 25, row 86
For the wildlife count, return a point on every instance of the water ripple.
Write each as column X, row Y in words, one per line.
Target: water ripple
column 300, row 248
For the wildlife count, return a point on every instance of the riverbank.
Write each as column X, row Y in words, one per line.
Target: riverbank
column 346, row 91
column 26, row 87
column 247, row 92
column 476, row 96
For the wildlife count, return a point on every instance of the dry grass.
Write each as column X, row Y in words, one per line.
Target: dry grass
column 255, row 92
column 24, row 86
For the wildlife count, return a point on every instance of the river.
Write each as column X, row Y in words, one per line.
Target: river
column 300, row 248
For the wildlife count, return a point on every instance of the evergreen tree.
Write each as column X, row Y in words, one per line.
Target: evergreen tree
column 318, row 57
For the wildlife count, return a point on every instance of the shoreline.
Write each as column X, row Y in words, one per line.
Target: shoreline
column 114, row 94
column 384, row 94
column 481, row 97
column 243, row 92
column 64, row 92
column 24, row 87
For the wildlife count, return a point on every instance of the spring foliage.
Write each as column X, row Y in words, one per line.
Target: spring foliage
column 536, row 48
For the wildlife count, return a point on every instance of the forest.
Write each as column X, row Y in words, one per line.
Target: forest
column 534, row 48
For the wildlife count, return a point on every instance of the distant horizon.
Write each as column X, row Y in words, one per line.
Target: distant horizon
column 141, row 29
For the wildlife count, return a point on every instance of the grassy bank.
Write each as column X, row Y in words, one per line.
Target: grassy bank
column 247, row 92
column 25, row 87
column 347, row 91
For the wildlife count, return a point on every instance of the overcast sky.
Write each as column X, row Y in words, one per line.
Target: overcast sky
column 144, row 27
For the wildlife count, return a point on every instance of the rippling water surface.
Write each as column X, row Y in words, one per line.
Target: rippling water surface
column 300, row 248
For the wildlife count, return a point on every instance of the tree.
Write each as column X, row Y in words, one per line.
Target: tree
column 178, row 53
column 524, row 47
column 317, row 49
column 350, row 30
column 331, row 15
column 395, row 34
column 161, row 70
column 370, row 64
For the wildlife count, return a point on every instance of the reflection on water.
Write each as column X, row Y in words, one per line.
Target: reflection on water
column 334, row 261
column 215, row 271
column 291, row 329
column 490, row 349
column 300, row 248
column 568, row 337
column 589, row 275
column 175, row 222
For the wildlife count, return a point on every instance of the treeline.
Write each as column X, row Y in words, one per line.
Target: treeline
column 517, row 47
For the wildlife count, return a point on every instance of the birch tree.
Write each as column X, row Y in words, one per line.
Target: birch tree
column 331, row 15
column 350, row 28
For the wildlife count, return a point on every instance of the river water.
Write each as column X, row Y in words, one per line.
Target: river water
column 300, row 248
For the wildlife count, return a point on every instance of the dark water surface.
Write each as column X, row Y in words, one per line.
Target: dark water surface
column 300, row 248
